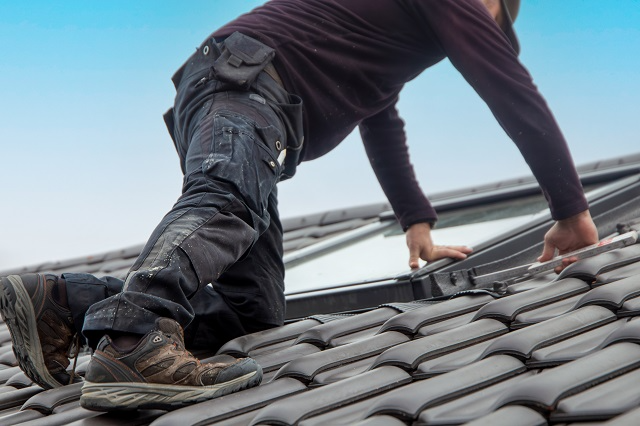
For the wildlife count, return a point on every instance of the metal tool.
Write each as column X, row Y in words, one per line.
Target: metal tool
column 537, row 268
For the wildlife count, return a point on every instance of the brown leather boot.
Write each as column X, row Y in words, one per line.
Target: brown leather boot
column 159, row 373
column 42, row 330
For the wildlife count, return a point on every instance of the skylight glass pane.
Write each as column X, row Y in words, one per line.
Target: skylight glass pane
column 384, row 256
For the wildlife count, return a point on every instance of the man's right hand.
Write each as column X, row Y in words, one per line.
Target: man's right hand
column 568, row 235
column 421, row 246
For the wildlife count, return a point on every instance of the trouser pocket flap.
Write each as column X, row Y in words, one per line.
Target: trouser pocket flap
column 242, row 60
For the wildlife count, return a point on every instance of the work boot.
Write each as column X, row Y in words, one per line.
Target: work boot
column 41, row 327
column 159, row 373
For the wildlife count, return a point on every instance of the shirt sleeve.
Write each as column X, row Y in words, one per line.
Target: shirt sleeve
column 481, row 52
column 385, row 143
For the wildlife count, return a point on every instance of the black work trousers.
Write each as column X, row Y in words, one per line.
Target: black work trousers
column 214, row 263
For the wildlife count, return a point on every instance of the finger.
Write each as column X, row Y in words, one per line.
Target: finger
column 462, row 249
column 547, row 252
column 414, row 257
column 565, row 262
column 440, row 252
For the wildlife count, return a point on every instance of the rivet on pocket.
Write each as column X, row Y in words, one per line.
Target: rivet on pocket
column 279, row 145
column 272, row 164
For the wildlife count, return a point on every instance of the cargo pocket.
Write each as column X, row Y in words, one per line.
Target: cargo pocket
column 245, row 156
column 241, row 61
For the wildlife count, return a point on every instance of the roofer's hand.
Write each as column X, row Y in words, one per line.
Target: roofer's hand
column 568, row 235
column 421, row 246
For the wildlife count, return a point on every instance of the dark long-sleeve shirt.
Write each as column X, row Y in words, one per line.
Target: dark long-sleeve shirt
column 349, row 59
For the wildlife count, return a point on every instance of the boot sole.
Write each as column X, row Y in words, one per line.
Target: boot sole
column 133, row 396
column 17, row 312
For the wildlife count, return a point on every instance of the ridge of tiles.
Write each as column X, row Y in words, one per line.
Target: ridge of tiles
column 557, row 351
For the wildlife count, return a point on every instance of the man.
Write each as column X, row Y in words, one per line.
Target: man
column 214, row 263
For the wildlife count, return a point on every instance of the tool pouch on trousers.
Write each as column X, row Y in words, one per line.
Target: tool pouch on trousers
column 241, row 61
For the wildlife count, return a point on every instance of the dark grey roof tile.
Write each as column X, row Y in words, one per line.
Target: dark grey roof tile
column 5, row 336
column 218, row 358
column 333, row 216
column 574, row 347
column 629, row 332
column 7, row 373
column 292, row 223
column 240, row 420
column 531, row 284
column 48, row 400
column 379, row 421
column 126, row 253
column 602, row 402
column 66, row 417
column 630, row 307
column 321, row 231
column 298, row 407
column 544, row 390
column 410, row 355
column 16, row 397
column 627, row 419
column 322, row 334
column 546, row 312
column 523, row 342
column 411, row 322
column 6, row 360
column 408, row 401
column 305, row 368
column 367, row 211
column 116, row 265
column 19, row 417
column 613, row 295
column 347, row 415
column 451, row 361
column 128, row 418
column 19, row 381
column 588, row 269
column 274, row 360
column 470, row 407
column 243, row 345
column 325, row 318
column 84, row 267
column 618, row 274
column 269, row 375
column 402, row 307
column 232, row 405
column 507, row 308
column 298, row 243
column 353, row 337
column 510, row 416
column 445, row 325
column 342, row 372
column 264, row 350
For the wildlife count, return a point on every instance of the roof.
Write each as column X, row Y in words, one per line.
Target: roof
column 437, row 349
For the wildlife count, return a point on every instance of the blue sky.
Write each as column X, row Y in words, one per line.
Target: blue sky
column 87, row 165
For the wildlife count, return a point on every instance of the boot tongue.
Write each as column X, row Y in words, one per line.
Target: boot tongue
column 171, row 328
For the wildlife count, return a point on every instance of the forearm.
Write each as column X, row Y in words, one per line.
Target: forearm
column 478, row 49
column 384, row 140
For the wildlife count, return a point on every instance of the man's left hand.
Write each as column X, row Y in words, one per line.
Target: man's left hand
column 421, row 246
